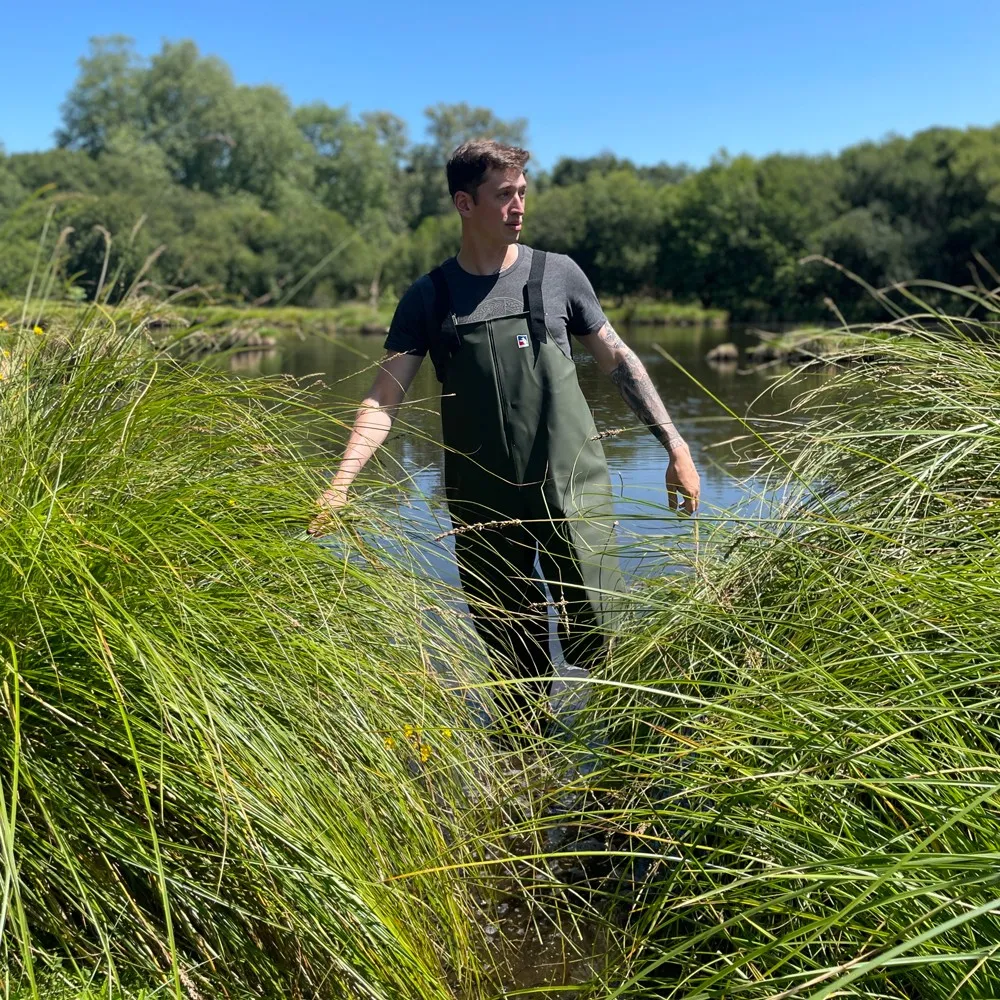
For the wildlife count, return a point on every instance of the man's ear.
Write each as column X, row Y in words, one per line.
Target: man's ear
column 463, row 202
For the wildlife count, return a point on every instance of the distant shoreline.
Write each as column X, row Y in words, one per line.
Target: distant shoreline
column 224, row 327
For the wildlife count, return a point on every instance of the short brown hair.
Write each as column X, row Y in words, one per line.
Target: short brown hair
column 469, row 163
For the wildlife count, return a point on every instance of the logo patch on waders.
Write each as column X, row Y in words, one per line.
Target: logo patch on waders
column 522, row 340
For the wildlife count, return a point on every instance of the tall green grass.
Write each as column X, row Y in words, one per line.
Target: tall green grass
column 229, row 765
column 801, row 776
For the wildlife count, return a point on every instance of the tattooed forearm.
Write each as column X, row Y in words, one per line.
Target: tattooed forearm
column 639, row 392
column 608, row 335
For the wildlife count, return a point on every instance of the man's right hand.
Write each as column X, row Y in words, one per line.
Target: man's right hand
column 329, row 502
column 370, row 429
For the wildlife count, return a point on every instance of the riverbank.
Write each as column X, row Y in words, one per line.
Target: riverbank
column 808, row 347
column 208, row 328
column 804, row 733
column 652, row 312
column 211, row 326
column 229, row 759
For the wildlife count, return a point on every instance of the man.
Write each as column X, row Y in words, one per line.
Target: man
column 524, row 470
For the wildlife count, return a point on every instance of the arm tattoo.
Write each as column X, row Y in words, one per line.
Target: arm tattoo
column 608, row 335
column 638, row 391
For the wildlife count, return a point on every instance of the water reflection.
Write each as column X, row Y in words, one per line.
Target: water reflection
column 249, row 362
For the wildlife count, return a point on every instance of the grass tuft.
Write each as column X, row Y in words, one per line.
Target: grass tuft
column 223, row 743
column 802, row 757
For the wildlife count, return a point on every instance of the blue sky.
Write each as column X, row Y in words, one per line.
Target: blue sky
column 650, row 81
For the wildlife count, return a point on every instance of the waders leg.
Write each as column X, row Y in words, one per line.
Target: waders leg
column 496, row 567
column 580, row 565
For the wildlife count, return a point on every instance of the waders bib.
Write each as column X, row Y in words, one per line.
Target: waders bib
column 521, row 449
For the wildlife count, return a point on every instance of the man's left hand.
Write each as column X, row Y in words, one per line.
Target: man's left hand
column 683, row 483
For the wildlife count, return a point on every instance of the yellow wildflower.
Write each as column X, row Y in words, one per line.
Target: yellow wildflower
column 389, row 743
column 4, row 325
column 38, row 330
column 411, row 732
column 425, row 752
column 446, row 733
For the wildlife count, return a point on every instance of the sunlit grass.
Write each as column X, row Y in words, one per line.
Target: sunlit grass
column 229, row 751
column 803, row 737
column 240, row 759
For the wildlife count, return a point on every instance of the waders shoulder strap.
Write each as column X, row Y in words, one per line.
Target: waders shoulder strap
column 533, row 295
column 443, row 334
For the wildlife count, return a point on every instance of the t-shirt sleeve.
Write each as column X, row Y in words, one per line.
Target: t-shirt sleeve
column 585, row 312
column 408, row 329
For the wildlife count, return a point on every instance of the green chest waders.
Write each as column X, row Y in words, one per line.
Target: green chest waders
column 521, row 449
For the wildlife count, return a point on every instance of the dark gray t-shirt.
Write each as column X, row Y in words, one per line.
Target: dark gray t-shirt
column 567, row 296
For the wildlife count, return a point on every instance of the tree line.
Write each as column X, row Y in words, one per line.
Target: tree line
column 199, row 182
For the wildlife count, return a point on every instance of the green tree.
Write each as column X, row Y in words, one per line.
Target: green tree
column 609, row 224
column 217, row 245
column 131, row 162
column 68, row 170
column 434, row 240
column 17, row 231
column 56, row 181
column 799, row 196
column 867, row 242
column 302, row 237
column 391, row 131
column 12, row 191
column 974, row 228
column 556, row 219
column 355, row 165
column 664, row 173
column 187, row 102
column 107, row 95
column 715, row 243
column 569, row 170
column 217, row 136
column 248, row 194
column 121, row 214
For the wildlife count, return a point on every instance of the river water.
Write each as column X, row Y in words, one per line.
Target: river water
column 697, row 394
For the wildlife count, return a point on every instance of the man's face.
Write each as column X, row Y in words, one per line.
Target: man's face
column 498, row 210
